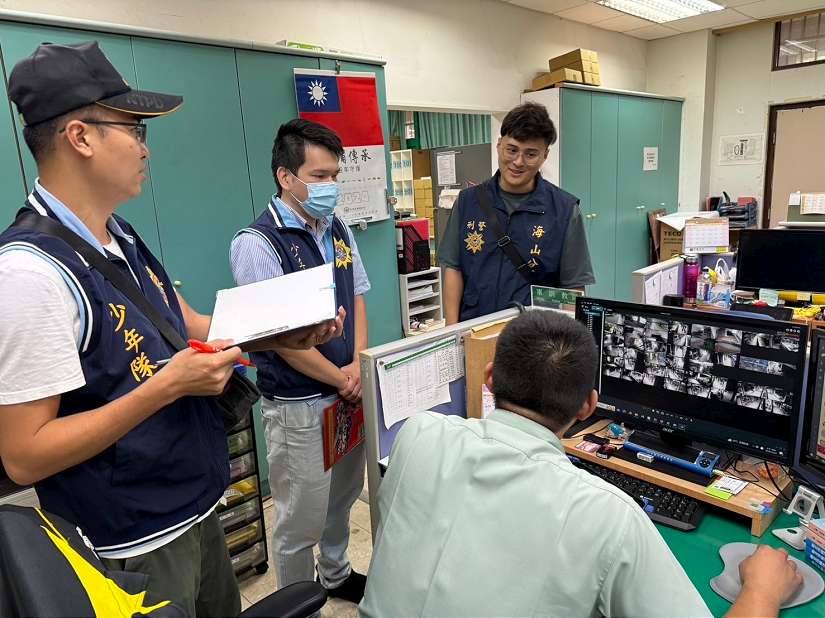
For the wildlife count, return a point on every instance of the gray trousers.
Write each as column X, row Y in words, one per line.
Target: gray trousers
column 311, row 506
column 194, row 571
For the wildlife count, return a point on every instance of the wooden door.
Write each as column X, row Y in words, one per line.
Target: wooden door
column 798, row 153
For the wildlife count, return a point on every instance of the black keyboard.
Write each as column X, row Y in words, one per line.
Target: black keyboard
column 661, row 505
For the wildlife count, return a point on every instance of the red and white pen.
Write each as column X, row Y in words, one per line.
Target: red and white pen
column 200, row 346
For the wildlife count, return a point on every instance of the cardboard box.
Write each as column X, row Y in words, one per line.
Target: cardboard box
column 592, row 79
column 545, row 80
column 568, row 59
column 585, row 66
column 671, row 231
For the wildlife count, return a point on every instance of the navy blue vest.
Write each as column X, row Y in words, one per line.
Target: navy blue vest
column 169, row 469
column 537, row 229
column 296, row 249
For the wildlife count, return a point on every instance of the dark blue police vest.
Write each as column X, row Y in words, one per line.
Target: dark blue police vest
column 296, row 249
column 537, row 229
column 169, row 469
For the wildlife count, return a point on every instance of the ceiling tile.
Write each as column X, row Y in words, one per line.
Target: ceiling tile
column 589, row 13
column 549, row 6
column 717, row 19
column 654, row 31
column 623, row 23
column 775, row 8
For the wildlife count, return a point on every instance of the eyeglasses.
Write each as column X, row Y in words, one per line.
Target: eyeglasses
column 137, row 129
column 530, row 157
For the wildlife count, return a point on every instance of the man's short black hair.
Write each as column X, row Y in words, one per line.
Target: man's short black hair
column 289, row 149
column 529, row 121
column 545, row 362
column 40, row 137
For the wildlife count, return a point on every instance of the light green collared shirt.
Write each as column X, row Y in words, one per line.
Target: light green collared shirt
column 490, row 518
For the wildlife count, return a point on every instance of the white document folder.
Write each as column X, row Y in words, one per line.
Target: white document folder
column 256, row 311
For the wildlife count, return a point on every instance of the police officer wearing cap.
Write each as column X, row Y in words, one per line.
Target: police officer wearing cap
column 515, row 229
column 132, row 451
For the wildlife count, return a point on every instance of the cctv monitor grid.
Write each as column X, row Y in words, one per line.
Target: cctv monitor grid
column 700, row 360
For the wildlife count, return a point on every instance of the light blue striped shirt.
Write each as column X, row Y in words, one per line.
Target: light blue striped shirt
column 253, row 259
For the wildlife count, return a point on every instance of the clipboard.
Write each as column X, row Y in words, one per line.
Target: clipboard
column 257, row 311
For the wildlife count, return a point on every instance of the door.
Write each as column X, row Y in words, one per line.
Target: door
column 638, row 190
column 795, row 158
column 601, row 216
column 268, row 100
column 377, row 242
column 200, row 174
column 12, row 183
column 669, row 156
column 19, row 41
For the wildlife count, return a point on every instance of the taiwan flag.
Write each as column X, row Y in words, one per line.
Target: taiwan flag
column 347, row 103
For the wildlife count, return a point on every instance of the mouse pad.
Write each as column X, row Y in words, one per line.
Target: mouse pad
column 727, row 584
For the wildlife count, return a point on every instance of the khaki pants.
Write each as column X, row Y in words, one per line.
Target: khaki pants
column 193, row 571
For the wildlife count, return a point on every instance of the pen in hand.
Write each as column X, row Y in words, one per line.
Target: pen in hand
column 200, row 346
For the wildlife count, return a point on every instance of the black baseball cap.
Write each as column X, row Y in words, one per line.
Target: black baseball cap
column 58, row 79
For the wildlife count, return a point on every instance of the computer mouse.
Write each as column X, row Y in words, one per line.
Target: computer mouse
column 728, row 584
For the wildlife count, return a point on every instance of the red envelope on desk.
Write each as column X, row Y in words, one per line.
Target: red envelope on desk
column 343, row 430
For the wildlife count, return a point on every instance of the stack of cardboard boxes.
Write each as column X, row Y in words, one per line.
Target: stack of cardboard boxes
column 423, row 188
column 579, row 66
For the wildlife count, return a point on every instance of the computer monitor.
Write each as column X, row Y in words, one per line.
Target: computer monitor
column 810, row 461
column 731, row 381
column 781, row 260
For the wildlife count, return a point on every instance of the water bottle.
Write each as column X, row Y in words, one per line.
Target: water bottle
column 691, row 273
column 703, row 286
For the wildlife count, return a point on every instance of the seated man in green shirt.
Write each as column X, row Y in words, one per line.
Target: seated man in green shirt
column 490, row 518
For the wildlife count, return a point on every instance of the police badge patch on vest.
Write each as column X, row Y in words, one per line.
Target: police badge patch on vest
column 475, row 240
column 158, row 284
column 343, row 254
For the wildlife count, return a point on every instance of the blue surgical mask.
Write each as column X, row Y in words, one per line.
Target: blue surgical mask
column 322, row 197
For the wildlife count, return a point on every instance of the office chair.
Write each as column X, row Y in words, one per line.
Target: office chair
column 47, row 569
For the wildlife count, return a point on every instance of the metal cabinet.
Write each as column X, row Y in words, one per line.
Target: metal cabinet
column 599, row 158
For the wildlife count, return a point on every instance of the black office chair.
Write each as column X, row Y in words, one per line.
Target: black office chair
column 47, row 569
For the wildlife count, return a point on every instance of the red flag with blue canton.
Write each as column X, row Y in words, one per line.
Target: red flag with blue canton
column 346, row 104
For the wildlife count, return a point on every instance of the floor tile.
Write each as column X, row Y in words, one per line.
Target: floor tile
column 360, row 514
column 255, row 587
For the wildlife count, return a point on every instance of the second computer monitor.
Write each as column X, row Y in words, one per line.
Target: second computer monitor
column 731, row 381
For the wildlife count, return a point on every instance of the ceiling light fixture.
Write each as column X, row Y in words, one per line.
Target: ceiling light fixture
column 661, row 11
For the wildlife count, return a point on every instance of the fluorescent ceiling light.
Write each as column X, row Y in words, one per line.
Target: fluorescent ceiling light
column 661, row 11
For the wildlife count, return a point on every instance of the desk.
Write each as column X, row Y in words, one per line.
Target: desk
column 698, row 553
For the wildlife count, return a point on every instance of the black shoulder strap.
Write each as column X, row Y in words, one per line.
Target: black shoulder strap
column 504, row 242
column 33, row 221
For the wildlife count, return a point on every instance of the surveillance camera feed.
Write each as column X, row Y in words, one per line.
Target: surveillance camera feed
column 730, row 381
column 812, row 454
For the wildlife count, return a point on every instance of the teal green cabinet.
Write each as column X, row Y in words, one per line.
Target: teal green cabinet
column 200, row 176
column 20, row 40
column 669, row 155
column 640, row 121
column 574, row 158
column 384, row 299
column 600, row 218
column 603, row 137
column 266, row 104
column 12, row 184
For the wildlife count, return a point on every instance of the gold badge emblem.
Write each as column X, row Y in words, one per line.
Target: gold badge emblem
column 343, row 254
column 158, row 284
column 474, row 242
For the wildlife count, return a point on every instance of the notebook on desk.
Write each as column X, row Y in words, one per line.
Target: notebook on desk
column 258, row 311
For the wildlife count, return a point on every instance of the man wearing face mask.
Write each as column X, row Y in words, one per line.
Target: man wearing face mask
column 298, row 230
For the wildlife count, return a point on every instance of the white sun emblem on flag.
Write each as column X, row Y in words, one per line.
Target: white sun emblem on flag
column 317, row 93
